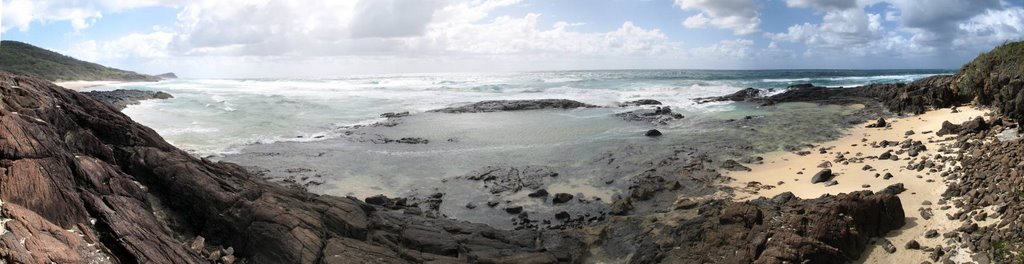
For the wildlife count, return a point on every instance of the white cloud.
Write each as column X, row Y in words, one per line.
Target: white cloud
column 20, row 14
column 839, row 29
column 134, row 46
column 992, row 27
column 726, row 49
column 823, row 4
column 740, row 16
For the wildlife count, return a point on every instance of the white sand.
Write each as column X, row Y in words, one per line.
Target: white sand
column 82, row 85
column 783, row 166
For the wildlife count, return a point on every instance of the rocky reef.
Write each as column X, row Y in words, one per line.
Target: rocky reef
column 514, row 105
column 122, row 98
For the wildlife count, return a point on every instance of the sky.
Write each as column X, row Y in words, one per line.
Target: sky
column 317, row 38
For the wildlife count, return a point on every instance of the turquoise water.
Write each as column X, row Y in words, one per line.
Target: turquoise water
column 218, row 117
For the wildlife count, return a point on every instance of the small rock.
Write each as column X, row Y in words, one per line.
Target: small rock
column 732, row 165
column 198, row 244
column 653, row 133
column 830, row 183
column 888, row 246
column 931, row 233
column 621, row 206
column 492, row 204
column 912, row 244
column 562, row 215
column 561, row 198
column 894, row 189
column 822, row 176
column 539, row 193
column 229, row 259
column 470, row 205
column 878, row 123
column 514, row 209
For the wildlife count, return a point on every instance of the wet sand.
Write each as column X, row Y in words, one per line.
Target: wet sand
column 922, row 186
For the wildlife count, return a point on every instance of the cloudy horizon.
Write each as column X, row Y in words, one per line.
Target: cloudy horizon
column 279, row 38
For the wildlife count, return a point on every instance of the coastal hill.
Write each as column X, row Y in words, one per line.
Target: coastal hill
column 25, row 59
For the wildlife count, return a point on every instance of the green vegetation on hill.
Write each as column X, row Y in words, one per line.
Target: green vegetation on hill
column 996, row 78
column 991, row 71
column 21, row 58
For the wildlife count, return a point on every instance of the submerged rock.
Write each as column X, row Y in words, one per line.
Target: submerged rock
column 499, row 180
column 514, row 105
column 661, row 115
column 561, row 198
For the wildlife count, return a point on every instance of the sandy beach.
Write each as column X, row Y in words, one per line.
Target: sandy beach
column 82, row 85
column 791, row 172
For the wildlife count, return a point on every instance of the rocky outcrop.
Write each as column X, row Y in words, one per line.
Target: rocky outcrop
column 70, row 162
column 640, row 102
column 660, row 115
column 121, row 98
column 995, row 78
column 782, row 229
column 914, row 98
column 742, row 95
column 514, row 105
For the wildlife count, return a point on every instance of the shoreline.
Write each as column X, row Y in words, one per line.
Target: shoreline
column 83, row 85
column 924, row 189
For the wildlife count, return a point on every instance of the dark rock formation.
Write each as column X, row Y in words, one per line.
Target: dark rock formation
column 74, row 163
column 784, row 229
column 395, row 114
column 121, row 98
column 976, row 125
column 915, row 98
column 880, row 123
column 514, row 105
column 652, row 133
column 640, row 102
column 742, row 95
column 822, row 176
column 659, row 115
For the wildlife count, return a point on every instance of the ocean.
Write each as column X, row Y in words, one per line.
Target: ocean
column 220, row 117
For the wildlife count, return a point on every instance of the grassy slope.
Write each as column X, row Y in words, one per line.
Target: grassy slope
column 22, row 58
column 996, row 78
